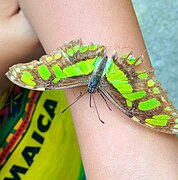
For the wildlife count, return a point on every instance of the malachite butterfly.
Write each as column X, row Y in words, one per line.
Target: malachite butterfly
column 137, row 93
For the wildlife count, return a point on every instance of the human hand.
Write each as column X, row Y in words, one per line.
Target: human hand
column 18, row 42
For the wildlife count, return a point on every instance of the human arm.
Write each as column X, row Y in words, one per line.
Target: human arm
column 120, row 148
column 18, row 42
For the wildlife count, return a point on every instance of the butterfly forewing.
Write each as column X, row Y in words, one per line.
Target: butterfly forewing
column 138, row 94
column 69, row 66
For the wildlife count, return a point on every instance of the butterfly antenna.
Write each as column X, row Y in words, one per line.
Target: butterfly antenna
column 96, row 109
column 78, row 98
column 104, row 100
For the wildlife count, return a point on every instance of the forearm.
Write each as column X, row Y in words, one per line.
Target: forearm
column 18, row 43
column 14, row 50
column 120, row 148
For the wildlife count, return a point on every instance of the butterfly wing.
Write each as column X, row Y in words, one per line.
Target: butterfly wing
column 69, row 66
column 138, row 94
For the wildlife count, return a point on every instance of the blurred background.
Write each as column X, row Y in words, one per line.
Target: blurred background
column 159, row 24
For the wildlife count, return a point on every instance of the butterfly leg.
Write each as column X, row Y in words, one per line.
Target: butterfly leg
column 90, row 99
column 92, row 96
column 104, row 99
column 90, row 104
column 81, row 93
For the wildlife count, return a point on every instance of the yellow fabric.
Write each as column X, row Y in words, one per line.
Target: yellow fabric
column 58, row 157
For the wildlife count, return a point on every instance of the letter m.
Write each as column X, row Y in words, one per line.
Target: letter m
column 15, row 171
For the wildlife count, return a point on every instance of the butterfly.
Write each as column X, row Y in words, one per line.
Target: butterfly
column 136, row 93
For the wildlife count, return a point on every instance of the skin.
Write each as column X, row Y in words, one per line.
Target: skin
column 18, row 40
column 119, row 149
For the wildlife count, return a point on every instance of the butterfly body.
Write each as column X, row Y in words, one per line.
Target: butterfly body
column 97, row 74
column 136, row 93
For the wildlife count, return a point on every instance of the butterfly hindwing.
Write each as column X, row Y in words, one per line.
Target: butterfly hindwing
column 138, row 94
column 69, row 66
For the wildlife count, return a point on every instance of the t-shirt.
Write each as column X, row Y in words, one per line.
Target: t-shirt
column 37, row 140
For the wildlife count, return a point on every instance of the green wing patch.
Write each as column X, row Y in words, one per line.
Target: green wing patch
column 138, row 94
column 70, row 65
